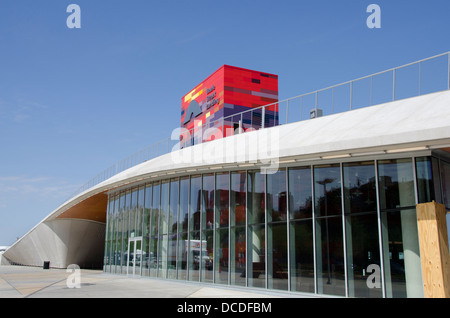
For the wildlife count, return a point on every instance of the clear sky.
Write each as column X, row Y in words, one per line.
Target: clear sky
column 75, row 101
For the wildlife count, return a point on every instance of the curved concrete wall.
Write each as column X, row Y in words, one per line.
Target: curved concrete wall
column 62, row 242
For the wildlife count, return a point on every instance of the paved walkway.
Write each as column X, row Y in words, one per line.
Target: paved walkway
column 23, row 282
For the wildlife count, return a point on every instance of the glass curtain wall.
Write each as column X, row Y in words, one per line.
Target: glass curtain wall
column 108, row 234
column 361, row 229
column 126, row 229
column 116, row 239
column 222, row 219
column 123, row 224
column 154, row 226
column 256, row 234
column 194, row 228
column 207, row 232
column 346, row 229
column 402, row 266
column 277, row 239
column 238, row 199
column 163, row 229
column 328, row 230
column 146, row 230
column 183, row 228
column 445, row 182
column 172, row 229
column 301, row 230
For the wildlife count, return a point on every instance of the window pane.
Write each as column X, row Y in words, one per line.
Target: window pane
column 330, row 256
column 207, row 255
column 360, row 187
column 256, row 197
column 163, row 229
column 184, row 205
column 396, row 183
column 108, row 234
column 173, row 208
column 208, row 201
column 153, row 259
column 182, row 256
column 164, row 209
column 172, row 256
column 363, row 251
column 276, row 196
column 133, row 212
column 196, row 190
column 401, row 255
column 238, row 198
column 221, row 258
column 124, row 232
column 327, row 190
column 194, row 256
column 162, row 256
column 116, row 240
column 302, row 257
column 154, row 226
column 154, row 219
column 222, row 199
column 256, row 256
column 237, row 256
column 207, row 243
column 424, row 173
column 300, row 193
column 445, row 177
column 195, row 245
column 277, row 256
column 140, row 211
column 146, row 230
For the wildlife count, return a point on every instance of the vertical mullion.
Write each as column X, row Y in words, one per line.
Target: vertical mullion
column 380, row 236
column 214, row 228
column 288, row 219
column 343, row 229
column 246, row 228
column 314, row 228
column 178, row 229
column 188, row 238
column 229, row 228
column 266, row 241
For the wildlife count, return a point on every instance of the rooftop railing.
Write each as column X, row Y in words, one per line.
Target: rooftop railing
column 422, row 77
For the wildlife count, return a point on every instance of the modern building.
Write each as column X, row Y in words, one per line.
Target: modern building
column 327, row 205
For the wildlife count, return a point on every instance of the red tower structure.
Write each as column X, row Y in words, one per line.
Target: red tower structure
column 229, row 100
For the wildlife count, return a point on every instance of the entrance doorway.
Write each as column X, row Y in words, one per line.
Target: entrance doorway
column 134, row 256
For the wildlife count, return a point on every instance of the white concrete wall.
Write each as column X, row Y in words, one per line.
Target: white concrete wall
column 62, row 242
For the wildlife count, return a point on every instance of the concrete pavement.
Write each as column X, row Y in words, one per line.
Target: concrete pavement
column 34, row 282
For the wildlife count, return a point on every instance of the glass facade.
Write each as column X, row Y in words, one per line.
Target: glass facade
column 346, row 229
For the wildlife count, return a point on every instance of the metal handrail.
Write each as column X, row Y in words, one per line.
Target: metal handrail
column 164, row 146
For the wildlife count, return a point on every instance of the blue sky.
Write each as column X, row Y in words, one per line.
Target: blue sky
column 75, row 101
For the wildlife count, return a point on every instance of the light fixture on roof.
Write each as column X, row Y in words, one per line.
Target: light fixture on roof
column 407, row 149
column 287, row 161
column 347, row 155
column 246, row 165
